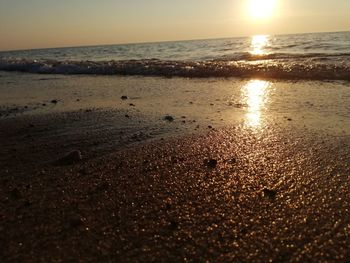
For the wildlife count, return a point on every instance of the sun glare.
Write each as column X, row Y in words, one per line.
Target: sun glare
column 255, row 95
column 260, row 9
column 259, row 44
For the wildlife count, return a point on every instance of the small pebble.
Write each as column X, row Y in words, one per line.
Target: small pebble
column 70, row 158
column 168, row 118
column 269, row 193
column 75, row 221
column 211, row 163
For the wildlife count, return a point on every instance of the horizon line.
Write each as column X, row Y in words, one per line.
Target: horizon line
column 164, row 41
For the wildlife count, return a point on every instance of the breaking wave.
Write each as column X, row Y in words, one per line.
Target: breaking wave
column 274, row 66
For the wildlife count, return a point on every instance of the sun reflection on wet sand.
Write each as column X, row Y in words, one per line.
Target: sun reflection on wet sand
column 255, row 96
column 259, row 44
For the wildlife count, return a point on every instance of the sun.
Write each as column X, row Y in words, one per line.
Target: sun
column 260, row 9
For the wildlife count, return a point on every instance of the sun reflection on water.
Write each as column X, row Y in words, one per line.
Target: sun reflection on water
column 255, row 96
column 259, row 44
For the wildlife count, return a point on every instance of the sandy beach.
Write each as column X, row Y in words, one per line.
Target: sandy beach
column 175, row 131
column 225, row 195
column 231, row 178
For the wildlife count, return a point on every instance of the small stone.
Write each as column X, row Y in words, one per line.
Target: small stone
column 210, row 127
column 27, row 203
column 127, row 116
column 211, row 163
column 169, row 118
column 75, row 221
column 289, row 119
column 15, row 194
column 124, row 97
column 54, row 101
column 232, row 161
column 132, row 105
column 70, row 158
column 173, row 225
column 269, row 193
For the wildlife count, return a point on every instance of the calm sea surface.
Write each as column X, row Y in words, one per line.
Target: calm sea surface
column 300, row 56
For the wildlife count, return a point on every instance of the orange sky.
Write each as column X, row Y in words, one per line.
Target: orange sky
column 48, row 23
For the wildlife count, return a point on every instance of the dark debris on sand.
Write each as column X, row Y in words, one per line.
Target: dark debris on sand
column 157, row 202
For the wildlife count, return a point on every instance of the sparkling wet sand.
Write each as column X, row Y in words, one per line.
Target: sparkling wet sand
column 203, row 187
column 229, row 194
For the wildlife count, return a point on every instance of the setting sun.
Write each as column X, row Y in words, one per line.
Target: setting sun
column 260, row 9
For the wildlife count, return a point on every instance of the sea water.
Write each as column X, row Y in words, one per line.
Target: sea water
column 314, row 56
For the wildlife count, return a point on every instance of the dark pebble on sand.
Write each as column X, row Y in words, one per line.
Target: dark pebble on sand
column 173, row 225
column 210, row 127
column 70, row 158
column 289, row 119
column 132, row 105
column 54, row 101
column 102, row 187
column 127, row 116
column 124, row 97
column 83, row 171
column 211, row 163
column 27, row 203
column 169, row 118
column 75, row 221
column 269, row 193
column 44, row 104
column 15, row 194
column 233, row 161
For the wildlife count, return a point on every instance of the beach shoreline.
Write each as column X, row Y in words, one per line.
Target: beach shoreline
column 228, row 194
column 147, row 169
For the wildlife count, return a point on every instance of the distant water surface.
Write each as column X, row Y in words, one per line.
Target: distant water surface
column 300, row 56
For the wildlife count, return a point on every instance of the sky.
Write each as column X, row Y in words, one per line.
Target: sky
column 27, row 24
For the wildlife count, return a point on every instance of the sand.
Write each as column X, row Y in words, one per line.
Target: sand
column 278, row 195
column 242, row 173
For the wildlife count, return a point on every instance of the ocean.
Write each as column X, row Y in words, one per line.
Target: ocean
column 314, row 56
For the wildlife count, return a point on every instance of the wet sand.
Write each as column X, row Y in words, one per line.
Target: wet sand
column 229, row 194
column 244, row 170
